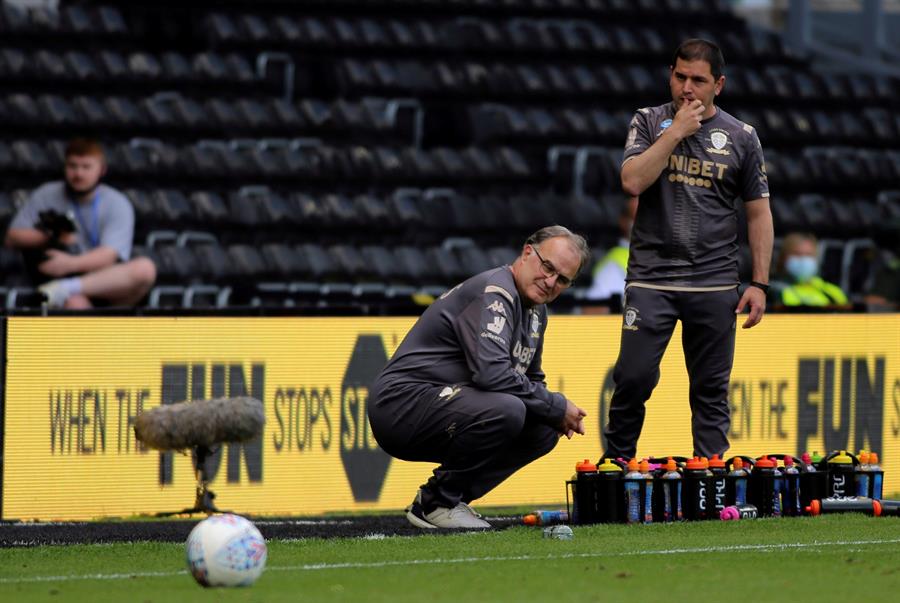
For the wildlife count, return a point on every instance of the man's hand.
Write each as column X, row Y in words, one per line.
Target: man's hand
column 756, row 299
column 687, row 119
column 58, row 263
column 573, row 421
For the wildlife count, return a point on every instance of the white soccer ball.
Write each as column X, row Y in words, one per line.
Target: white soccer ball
column 226, row 550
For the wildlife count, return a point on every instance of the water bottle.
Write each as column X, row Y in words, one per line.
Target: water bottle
column 790, row 498
column 862, row 474
column 669, row 497
column 813, row 481
column 584, row 493
column 695, row 489
column 762, row 488
column 889, row 507
column 718, row 485
column 546, row 518
column 876, row 474
column 847, row 504
column 841, row 475
column 736, row 484
column 648, row 491
column 634, row 493
column 610, row 497
column 742, row 511
column 779, row 485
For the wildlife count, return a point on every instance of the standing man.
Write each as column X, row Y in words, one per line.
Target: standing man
column 465, row 388
column 689, row 161
column 77, row 234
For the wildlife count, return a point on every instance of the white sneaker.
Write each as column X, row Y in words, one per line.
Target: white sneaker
column 55, row 293
column 460, row 516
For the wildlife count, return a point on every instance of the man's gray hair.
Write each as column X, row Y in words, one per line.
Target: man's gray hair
column 578, row 242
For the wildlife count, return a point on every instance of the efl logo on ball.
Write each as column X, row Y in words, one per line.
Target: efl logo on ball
column 226, row 550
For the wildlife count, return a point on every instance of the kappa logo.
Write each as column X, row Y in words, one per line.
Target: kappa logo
column 496, row 327
column 631, row 317
column 496, row 306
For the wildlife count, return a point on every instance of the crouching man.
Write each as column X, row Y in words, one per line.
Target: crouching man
column 465, row 388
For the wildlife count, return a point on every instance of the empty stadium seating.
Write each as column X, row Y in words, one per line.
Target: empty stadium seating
column 350, row 152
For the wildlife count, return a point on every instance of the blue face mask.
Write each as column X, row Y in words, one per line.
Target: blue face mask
column 802, row 267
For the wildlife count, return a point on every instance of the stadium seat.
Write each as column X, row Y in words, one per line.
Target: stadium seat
column 857, row 267
column 831, row 260
column 446, row 261
column 501, row 256
column 322, row 266
column 210, row 209
column 287, row 264
column 818, row 214
column 381, row 263
column 214, row 265
column 248, row 264
column 351, row 264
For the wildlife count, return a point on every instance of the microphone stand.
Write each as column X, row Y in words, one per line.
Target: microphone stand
column 203, row 501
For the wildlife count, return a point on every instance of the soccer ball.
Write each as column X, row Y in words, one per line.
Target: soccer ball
column 226, row 550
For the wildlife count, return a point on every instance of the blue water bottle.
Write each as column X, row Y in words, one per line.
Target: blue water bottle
column 877, row 475
column 863, row 474
column 670, row 482
column 648, row 491
column 736, row 484
column 634, row 493
column 790, row 497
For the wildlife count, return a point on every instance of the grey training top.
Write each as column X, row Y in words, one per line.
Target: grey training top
column 105, row 220
column 478, row 334
column 685, row 232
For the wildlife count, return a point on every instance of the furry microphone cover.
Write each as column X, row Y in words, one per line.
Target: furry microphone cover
column 200, row 423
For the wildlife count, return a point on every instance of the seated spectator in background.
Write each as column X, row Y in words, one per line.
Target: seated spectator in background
column 609, row 272
column 884, row 295
column 76, row 235
column 797, row 274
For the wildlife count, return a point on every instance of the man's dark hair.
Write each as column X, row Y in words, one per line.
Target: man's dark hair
column 698, row 49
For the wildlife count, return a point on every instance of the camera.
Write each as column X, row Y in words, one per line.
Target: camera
column 54, row 223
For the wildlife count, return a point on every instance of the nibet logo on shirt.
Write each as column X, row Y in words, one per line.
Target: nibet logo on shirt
column 695, row 172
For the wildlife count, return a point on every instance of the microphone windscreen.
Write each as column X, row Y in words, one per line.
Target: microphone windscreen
column 200, row 423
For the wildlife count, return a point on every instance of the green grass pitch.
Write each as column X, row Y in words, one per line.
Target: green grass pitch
column 841, row 558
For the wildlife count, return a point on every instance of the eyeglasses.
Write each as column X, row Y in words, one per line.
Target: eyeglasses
column 549, row 270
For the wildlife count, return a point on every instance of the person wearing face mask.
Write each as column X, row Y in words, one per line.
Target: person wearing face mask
column 76, row 236
column 608, row 278
column 465, row 388
column 798, row 267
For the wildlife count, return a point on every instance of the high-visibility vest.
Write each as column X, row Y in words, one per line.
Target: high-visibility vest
column 619, row 255
column 814, row 292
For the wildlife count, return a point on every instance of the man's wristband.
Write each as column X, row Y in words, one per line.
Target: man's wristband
column 763, row 286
